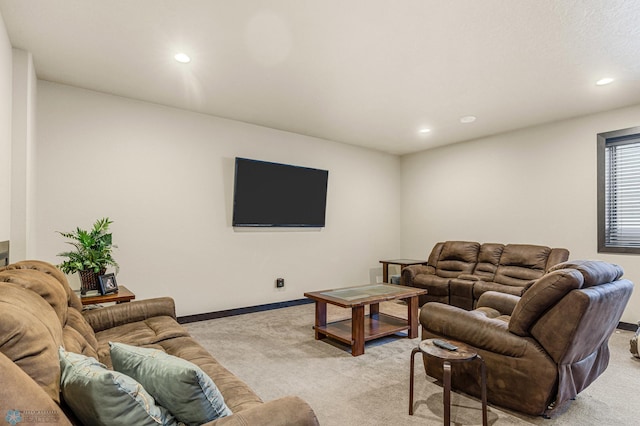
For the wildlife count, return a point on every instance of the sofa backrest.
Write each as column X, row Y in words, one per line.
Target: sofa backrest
column 556, row 257
column 522, row 263
column 488, row 261
column 58, row 320
column 452, row 258
column 30, row 334
column 435, row 254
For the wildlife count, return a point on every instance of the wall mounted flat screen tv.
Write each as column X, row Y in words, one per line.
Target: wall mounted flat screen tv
column 278, row 195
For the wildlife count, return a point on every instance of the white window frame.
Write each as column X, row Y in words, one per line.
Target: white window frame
column 619, row 191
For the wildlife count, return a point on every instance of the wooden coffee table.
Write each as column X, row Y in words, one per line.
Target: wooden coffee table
column 362, row 328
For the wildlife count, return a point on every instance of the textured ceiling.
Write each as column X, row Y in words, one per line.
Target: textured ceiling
column 363, row 72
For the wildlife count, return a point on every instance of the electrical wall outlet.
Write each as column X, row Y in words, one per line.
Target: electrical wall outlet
column 280, row 282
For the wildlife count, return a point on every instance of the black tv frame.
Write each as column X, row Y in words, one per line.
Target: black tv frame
column 308, row 186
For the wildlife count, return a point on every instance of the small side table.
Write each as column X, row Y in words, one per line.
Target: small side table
column 402, row 262
column 463, row 354
column 123, row 295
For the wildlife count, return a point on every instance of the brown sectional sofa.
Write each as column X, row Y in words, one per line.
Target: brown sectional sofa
column 542, row 349
column 39, row 313
column 459, row 272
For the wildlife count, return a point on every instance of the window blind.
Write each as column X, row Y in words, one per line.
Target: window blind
column 622, row 192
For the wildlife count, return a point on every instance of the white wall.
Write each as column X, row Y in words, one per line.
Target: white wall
column 165, row 176
column 5, row 132
column 535, row 185
column 23, row 156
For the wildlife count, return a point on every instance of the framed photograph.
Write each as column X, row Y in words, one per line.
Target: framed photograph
column 108, row 284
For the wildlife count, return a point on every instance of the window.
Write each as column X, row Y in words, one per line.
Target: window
column 619, row 191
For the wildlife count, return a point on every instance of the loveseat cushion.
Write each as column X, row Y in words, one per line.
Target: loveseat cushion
column 79, row 330
column 76, row 343
column 99, row 396
column 50, row 284
column 43, row 285
column 164, row 333
column 30, row 334
column 237, row 395
column 457, row 257
column 51, row 270
column 177, row 384
column 141, row 333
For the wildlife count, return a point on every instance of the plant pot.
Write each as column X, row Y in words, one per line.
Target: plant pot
column 89, row 280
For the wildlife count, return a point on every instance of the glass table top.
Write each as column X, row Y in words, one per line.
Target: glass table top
column 361, row 292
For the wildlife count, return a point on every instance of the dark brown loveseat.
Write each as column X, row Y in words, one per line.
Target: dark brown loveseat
column 541, row 349
column 459, row 272
column 39, row 313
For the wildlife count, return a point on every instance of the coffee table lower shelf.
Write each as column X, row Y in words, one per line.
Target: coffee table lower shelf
column 376, row 326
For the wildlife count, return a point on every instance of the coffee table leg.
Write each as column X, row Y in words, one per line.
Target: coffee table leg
column 412, row 306
column 374, row 310
column 357, row 330
column 446, row 378
column 321, row 319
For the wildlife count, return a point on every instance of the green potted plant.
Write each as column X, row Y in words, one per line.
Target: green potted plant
column 92, row 254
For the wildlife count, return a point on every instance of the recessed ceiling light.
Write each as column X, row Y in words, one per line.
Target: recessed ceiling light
column 604, row 81
column 424, row 131
column 182, row 58
column 468, row 119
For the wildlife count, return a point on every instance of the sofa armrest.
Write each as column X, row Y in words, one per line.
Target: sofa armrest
column 124, row 313
column 471, row 327
column 409, row 272
column 501, row 302
column 287, row 411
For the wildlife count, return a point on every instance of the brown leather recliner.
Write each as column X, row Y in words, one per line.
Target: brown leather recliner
column 541, row 349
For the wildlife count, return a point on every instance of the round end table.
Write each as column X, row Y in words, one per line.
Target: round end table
column 463, row 353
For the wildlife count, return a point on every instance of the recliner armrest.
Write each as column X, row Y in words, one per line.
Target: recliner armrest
column 286, row 411
column 124, row 313
column 501, row 302
column 472, row 328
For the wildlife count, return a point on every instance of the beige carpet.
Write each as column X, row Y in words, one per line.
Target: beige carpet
column 276, row 354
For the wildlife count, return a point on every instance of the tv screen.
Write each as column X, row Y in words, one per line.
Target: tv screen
column 273, row 194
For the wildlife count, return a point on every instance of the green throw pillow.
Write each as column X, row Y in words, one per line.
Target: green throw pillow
column 177, row 384
column 98, row 396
